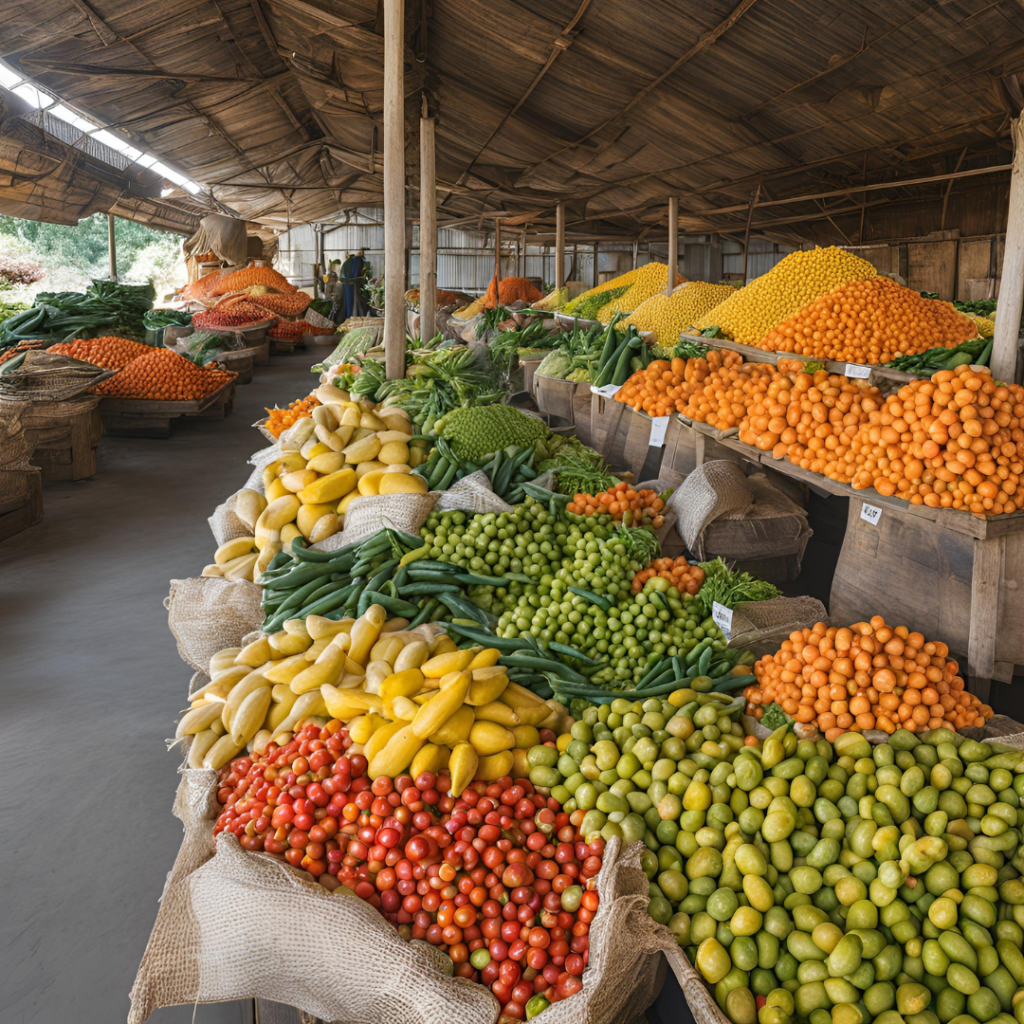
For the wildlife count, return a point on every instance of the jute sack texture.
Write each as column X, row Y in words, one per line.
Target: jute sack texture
column 473, row 493
column 210, row 942
column 371, row 513
column 15, row 469
column 224, row 524
column 208, row 613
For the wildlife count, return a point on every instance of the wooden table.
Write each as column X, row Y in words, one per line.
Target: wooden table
column 953, row 576
column 141, row 417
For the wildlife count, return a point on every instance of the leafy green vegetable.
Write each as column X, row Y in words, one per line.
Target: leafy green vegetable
column 155, row 319
column 774, row 717
column 482, row 429
column 730, row 589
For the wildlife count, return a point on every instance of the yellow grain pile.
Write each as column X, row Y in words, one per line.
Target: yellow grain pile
column 796, row 281
column 665, row 316
column 650, row 279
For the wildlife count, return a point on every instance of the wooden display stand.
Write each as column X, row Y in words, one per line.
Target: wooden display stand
column 623, row 436
column 567, row 402
column 279, row 346
column 65, row 435
column 948, row 574
column 240, row 363
column 25, row 511
column 140, row 417
column 529, row 367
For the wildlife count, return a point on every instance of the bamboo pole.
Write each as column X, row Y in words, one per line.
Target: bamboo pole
column 597, row 246
column 1011, row 281
column 394, row 189
column 111, row 247
column 428, row 227
column 497, row 262
column 754, row 196
column 560, row 245
column 673, row 244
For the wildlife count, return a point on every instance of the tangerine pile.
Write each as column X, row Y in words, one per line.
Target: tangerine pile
column 279, row 420
column 686, row 578
column 870, row 676
column 666, row 386
column 163, row 375
column 870, row 321
column 110, row 353
column 623, row 503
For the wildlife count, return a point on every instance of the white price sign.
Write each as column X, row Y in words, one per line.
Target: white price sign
column 608, row 391
column 856, row 370
column 659, row 424
column 722, row 617
column 870, row 513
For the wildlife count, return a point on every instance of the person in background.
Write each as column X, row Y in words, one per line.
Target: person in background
column 353, row 275
column 335, row 294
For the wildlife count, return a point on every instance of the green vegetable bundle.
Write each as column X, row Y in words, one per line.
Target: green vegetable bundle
column 156, row 319
column 481, row 430
column 975, row 351
column 508, row 469
column 586, row 307
column 351, row 344
column 622, row 354
column 729, row 588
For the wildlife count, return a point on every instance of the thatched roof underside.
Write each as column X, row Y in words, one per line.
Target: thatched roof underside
column 611, row 105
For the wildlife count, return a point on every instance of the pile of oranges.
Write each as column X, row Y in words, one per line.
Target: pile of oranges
column 279, row 420
column 666, row 386
column 870, row 676
column 109, row 353
column 623, row 503
column 686, row 578
column 870, row 321
column 162, row 375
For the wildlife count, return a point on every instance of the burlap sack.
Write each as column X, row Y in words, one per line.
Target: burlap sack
column 762, row 625
column 261, row 459
column 224, row 236
column 209, row 613
column 368, row 514
column 999, row 729
column 472, row 493
column 211, row 943
column 711, row 490
column 224, row 524
column 15, row 468
column 48, row 377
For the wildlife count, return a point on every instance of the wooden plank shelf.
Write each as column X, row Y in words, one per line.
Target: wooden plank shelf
column 140, row 417
column 27, row 511
column 65, row 435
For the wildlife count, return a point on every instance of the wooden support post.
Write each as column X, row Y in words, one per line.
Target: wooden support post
column 673, row 244
column 754, row 196
column 497, row 261
column 1011, row 282
column 596, row 249
column 988, row 567
column 428, row 228
column 394, row 189
column 636, row 253
column 560, row 245
column 111, row 247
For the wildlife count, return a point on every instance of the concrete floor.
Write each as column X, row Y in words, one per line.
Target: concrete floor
column 92, row 685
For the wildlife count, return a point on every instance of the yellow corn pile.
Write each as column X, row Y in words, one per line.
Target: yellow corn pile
column 796, row 281
column 650, row 279
column 665, row 316
column 586, row 299
column 986, row 327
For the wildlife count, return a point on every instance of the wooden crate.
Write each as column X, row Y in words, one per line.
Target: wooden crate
column 555, row 399
column 279, row 346
column 622, row 436
column 140, row 417
column 19, row 514
column 65, row 435
column 239, row 362
column 529, row 366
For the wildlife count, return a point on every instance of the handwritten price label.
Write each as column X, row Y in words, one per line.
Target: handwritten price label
column 856, row 370
column 722, row 617
column 659, row 424
column 608, row 391
column 870, row 513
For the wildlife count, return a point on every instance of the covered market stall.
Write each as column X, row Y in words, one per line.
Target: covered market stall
column 589, row 627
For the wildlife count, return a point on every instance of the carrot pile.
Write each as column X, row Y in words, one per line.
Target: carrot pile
column 870, row 321
column 511, row 289
column 622, row 502
column 110, row 353
column 286, row 330
column 666, row 386
column 247, row 277
column 870, row 676
column 684, row 577
column 293, row 304
column 163, row 375
column 279, row 420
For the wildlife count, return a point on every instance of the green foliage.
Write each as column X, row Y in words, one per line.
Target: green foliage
column 481, row 430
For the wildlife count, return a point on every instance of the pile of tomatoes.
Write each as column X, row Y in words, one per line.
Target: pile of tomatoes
column 499, row 879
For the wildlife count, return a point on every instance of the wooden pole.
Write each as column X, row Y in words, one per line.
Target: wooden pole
column 560, row 245
column 394, row 189
column 596, row 248
column 428, row 227
column 754, row 196
column 111, row 247
column 673, row 244
column 1011, row 281
column 497, row 262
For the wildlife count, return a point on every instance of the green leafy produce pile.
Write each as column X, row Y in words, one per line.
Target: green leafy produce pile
column 975, row 351
column 729, row 589
column 480, row 430
column 586, row 307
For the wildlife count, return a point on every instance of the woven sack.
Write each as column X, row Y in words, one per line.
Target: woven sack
column 208, row 613
column 15, row 468
column 368, row 514
column 472, row 493
column 261, row 459
column 210, row 942
column 225, row 525
column 765, row 624
column 998, row 729
column 315, row 319
column 49, row 377
column 710, row 491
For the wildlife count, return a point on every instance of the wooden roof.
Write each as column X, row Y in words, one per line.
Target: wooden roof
column 608, row 104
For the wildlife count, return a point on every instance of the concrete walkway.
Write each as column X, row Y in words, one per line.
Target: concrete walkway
column 92, row 684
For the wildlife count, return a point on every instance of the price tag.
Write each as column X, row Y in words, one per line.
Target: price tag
column 608, row 391
column 856, row 370
column 659, row 424
column 722, row 617
column 870, row 513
